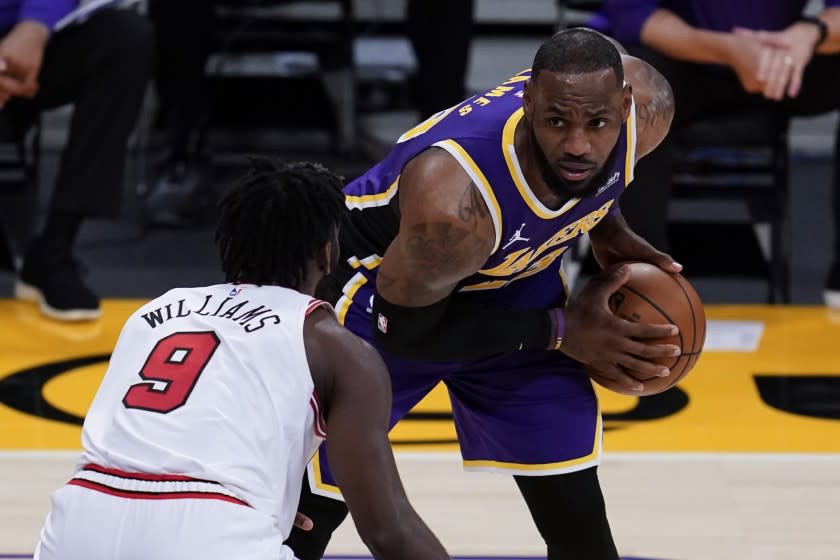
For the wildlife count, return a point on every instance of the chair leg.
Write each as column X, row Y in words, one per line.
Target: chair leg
column 341, row 91
column 7, row 261
column 785, row 244
column 775, row 266
column 779, row 289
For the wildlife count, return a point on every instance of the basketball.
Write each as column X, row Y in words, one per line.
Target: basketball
column 652, row 295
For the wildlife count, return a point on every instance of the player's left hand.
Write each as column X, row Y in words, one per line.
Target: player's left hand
column 614, row 242
column 302, row 522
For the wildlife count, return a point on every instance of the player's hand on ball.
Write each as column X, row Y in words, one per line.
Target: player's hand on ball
column 596, row 337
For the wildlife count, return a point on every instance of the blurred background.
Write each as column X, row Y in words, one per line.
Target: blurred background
column 337, row 82
column 739, row 461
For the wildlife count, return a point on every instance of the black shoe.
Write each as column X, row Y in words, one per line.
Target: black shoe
column 179, row 196
column 51, row 277
column 832, row 286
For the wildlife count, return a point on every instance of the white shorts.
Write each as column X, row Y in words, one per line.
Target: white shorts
column 87, row 523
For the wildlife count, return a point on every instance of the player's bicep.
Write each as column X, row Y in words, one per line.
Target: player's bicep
column 446, row 233
column 654, row 104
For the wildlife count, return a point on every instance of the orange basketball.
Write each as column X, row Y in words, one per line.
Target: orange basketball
column 652, row 295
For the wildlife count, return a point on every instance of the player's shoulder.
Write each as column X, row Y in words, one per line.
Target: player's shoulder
column 333, row 341
column 432, row 186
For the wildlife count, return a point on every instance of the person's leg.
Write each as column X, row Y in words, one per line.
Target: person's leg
column 832, row 283
column 535, row 415
column 102, row 66
column 179, row 192
column 326, row 515
column 820, row 94
column 180, row 76
column 570, row 514
column 440, row 33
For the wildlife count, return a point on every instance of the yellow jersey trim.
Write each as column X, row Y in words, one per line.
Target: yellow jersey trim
column 515, row 171
column 372, row 200
column 370, row 262
column 350, row 288
column 630, row 156
column 480, row 181
column 489, row 285
column 559, row 467
column 320, row 487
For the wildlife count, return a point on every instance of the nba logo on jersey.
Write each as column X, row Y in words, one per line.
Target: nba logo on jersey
column 235, row 292
column 382, row 323
column 609, row 183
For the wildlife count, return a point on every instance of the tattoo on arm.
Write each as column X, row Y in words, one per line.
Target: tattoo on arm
column 437, row 254
column 472, row 207
column 654, row 108
column 659, row 108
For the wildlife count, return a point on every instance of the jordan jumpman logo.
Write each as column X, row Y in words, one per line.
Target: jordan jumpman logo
column 516, row 237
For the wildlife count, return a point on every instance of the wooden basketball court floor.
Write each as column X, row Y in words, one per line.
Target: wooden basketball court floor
column 742, row 461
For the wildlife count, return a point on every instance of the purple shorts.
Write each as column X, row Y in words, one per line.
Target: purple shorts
column 530, row 413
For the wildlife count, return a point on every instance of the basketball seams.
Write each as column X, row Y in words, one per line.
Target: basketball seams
column 685, row 367
column 693, row 319
column 661, row 312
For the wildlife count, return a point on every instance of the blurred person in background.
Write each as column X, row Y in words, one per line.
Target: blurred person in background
column 101, row 65
column 183, row 91
column 439, row 31
column 724, row 56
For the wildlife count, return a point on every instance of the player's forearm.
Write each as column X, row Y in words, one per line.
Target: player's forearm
column 831, row 17
column 449, row 330
column 668, row 33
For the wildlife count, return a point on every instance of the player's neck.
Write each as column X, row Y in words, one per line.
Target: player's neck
column 531, row 170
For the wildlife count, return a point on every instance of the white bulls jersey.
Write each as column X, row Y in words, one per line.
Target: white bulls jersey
column 209, row 396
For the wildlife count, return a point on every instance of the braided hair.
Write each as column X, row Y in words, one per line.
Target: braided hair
column 275, row 219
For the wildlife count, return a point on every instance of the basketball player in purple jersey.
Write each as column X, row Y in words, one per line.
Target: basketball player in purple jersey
column 450, row 266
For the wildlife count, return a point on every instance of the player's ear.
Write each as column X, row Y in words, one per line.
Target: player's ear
column 324, row 258
column 527, row 98
column 328, row 257
column 626, row 101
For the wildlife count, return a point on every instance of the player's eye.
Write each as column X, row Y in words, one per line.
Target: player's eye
column 598, row 123
column 556, row 122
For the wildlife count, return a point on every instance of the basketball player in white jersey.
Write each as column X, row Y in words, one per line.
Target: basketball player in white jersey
column 216, row 398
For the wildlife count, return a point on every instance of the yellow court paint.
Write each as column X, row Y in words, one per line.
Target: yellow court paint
column 718, row 408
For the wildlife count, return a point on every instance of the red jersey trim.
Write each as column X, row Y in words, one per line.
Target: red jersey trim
column 145, row 486
column 320, row 426
column 315, row 304
column 143, row 476
column 139, row 495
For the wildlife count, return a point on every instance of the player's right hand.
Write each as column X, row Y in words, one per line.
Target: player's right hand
column 596, row 337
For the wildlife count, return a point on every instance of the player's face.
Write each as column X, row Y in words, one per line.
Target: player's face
column 574, row 121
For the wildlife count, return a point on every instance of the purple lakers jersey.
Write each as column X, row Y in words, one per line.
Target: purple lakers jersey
column 524, row 269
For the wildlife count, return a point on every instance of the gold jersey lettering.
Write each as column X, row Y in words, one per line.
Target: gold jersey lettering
column 482, row 101
column 527, row 262
column 516, row 79
column 498, row 91
column 425, row 125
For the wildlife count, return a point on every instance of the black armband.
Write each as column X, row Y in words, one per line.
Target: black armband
column 450, row 330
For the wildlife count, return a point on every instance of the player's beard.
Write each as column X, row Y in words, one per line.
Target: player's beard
column 571, row 189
